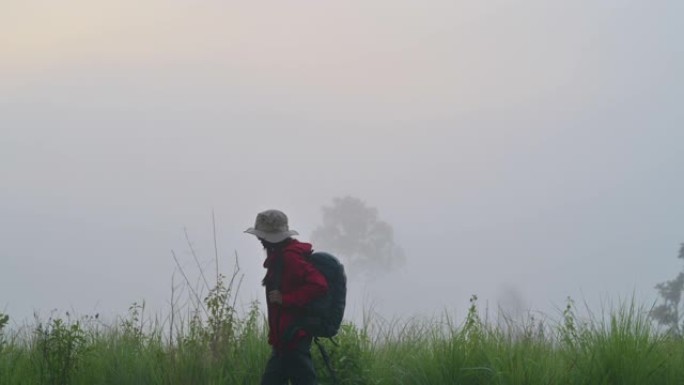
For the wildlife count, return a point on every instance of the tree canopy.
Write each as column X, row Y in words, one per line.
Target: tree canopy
column 354, row 231
column 669, row 313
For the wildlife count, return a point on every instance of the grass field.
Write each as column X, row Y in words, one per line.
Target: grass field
column 220, row 347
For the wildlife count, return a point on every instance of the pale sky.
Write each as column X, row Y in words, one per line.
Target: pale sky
column 529, row 149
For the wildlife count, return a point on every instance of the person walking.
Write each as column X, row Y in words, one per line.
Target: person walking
column 291, row 282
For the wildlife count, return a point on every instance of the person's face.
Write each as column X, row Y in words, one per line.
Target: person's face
column 265, row 244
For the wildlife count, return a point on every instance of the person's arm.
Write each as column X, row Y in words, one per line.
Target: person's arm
column 314, row 283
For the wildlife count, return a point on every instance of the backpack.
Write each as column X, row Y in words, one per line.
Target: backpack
column 323, row 316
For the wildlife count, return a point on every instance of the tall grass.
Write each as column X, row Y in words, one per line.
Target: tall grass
column 618, row 347
column 204, row 340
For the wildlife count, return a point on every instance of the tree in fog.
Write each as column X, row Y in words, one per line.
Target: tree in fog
column 670, row 313
column 354, row 232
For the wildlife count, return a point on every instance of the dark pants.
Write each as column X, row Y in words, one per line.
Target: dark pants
column 291, row 365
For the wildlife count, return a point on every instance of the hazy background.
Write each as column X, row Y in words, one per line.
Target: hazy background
column 524, row 151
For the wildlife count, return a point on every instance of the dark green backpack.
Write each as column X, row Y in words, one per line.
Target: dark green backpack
column 323, row 316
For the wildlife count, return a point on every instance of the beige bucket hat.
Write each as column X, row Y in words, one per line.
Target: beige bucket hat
column 271, row 225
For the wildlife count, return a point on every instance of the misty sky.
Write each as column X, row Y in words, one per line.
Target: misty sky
column 524, row 151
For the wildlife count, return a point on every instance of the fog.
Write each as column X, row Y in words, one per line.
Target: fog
column 522, row 151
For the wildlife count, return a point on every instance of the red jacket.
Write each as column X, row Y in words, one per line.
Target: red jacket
column 300, row 284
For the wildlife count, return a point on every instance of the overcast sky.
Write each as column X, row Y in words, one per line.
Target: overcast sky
column 524, row 151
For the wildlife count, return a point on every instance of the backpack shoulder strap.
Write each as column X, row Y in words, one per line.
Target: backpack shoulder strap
column 278, row 268
column 277, row 281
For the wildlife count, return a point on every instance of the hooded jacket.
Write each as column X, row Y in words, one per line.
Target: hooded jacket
column 300, row 283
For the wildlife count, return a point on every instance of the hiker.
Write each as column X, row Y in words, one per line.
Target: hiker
column 291, row 282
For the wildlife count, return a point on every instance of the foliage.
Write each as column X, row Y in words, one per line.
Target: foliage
column 132, row 326
column 348, row 353
column 4, row 320
column 354, row 230
column 60, row 346
column 670, row 313
column 620, row 347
